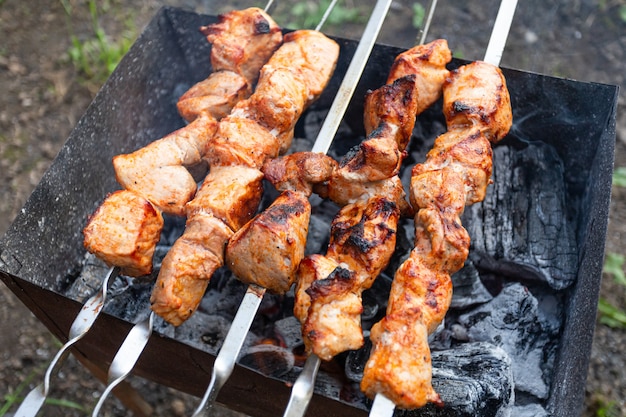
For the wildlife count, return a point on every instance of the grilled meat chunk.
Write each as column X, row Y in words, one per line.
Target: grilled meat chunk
column 363, row 238
column 428, row 64
column 268, row 250
column 124, row 231
column 476, row 95
column 242, row 42
column 214, row 96
column 189, row 265
column 241, row 141
column 299, row 171
column 158, row 171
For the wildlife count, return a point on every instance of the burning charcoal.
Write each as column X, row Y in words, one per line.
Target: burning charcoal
column 514, row 321
column 289, row 331
column 90, row 279
column 269, row 359
column 203, row 331
column 522, row 227
column 468, row 288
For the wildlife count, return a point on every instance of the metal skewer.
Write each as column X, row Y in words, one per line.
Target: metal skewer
column 79, row 328
column 383, row 406
column 226, row 358
column 126, row 357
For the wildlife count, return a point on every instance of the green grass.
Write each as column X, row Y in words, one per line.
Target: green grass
column 307, row 14
column 96, row 56
column 610, row 314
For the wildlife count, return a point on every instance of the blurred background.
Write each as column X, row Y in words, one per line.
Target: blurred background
column 56, row 54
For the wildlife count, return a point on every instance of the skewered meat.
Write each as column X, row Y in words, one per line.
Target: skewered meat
column 124, row 232
column 214, row 96
column 329, row 288
column 264, row 251
column 299, row 171
column 158, row 172
column 363, row 237
column 242, row 42
column 256, row 131
column 455, row 174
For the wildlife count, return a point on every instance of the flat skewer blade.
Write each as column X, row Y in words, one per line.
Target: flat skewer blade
column 352, row 77
column 500, row 32
column 382, row 407
column 227, row 356
column 302, row 390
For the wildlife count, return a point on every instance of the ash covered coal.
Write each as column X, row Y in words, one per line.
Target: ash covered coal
column 523, row 227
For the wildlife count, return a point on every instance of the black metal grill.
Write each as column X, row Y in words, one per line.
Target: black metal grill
column 565, row 128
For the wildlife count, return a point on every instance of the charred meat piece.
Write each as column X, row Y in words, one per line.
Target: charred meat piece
column 414, row 83
column 476, row 95
column 428, row 64
column 363, row 238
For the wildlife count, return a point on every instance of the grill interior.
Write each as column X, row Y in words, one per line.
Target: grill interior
column 541, row 230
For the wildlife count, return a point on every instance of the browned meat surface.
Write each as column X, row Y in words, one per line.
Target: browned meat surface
column 367, row 185
column 256, row 131
column 476, row 95
column 241, row 141
column 294, row 77
column 299, row 171
column 158, row 171
column 189, row 266
column 362, row 240
column 414, row 83
column 230, row 193
column 456, row 173
column 428, row 64
column 243, row 41
column 124, row 232
column 268, row 250
column 392, row 106
column 214, row 96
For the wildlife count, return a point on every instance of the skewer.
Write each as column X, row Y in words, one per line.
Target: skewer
column 126, row 357
column 227, row 357
column 302, row 390
column 383, row 406
column 135, row 342
column 79, row 328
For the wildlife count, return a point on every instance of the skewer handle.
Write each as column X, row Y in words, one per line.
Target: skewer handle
column 126, row 357
column 88, row 314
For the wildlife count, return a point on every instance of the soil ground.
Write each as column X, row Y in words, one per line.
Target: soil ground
column 43, row 96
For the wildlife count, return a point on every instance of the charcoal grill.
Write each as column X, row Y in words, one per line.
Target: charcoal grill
column 42, row 258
